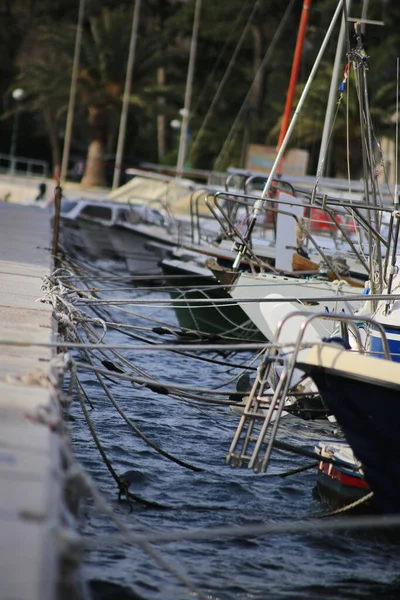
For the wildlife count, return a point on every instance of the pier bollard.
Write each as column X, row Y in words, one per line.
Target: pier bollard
column 56, row 225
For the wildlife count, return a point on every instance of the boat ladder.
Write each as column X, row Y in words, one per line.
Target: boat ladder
column 255, row 436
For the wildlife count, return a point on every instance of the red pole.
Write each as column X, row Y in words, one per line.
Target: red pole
column 295, row 71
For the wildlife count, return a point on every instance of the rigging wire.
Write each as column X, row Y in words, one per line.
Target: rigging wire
column 228, row 39
column 229, row 139
column 224, row 79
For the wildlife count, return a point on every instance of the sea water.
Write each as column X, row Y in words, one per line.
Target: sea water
column 312, row 566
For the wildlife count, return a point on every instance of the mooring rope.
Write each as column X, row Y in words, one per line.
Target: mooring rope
column 134, row 427
column 55, row 298
column 122, row 488
column 345, row 508
column 228, row 334
column 305, row 526
column 119, row 326
column 80, row 479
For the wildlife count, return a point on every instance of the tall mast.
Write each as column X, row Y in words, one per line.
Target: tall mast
column 368, row 160
column 396, row 152
column 188, row 92
column 329, row 115
column 321, row 170
column 127, row 91
column 287, row 113
column 72, row 91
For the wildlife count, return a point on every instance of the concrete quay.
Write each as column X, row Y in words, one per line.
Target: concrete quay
column 30, row 447
column 16, row 189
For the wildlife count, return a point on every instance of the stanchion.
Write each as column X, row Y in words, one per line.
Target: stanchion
column 56, row 224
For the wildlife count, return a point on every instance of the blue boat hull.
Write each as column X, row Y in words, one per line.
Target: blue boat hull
column 369, row 415
column 393, row 338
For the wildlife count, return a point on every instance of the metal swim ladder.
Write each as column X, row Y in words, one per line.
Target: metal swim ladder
column 253, row 445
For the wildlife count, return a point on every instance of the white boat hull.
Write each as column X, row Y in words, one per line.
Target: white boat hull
column 306, row 291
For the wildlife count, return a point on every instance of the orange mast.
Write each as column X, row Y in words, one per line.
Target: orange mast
column 295, row 71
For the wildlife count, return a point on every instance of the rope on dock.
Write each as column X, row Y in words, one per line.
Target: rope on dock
column 90, row 332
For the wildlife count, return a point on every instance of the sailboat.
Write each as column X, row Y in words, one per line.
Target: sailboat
column 301, row 290
column 325, row 287
column 192, row 280
column 262, row 282
column 358, row 381
column 363, row 394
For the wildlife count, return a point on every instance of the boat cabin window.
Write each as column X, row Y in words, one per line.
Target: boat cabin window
column 99, row 212
column 123, row 216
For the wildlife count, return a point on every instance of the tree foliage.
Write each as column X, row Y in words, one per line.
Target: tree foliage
column 244, row 58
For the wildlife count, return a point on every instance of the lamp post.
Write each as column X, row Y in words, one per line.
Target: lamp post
column 17, row 94
column 176, row 125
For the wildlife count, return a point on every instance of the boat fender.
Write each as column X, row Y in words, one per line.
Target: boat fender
column 158, row 389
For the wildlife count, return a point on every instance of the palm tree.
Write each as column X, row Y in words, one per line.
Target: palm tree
column 45, row 64
column 101, row 84
column 42, row 66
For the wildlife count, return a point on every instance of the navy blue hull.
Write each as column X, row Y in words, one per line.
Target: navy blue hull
column 369, row 415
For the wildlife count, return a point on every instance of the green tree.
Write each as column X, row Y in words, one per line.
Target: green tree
column 102, row 79
column 380, row 46
column 45, row 64
column 42, row 35
column 42, row 67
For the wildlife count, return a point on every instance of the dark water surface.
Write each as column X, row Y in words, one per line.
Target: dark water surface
column 323, row 565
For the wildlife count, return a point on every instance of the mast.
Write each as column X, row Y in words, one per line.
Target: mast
column 321, row 169
column 329, row 115
column 368, row 159
column 396, row 169
column 72, row 92
column 127, row 91
column 188, row 92
column 295, row 70
column 390, row 269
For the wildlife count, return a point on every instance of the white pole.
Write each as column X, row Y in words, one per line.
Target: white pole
column 188, row 92
column 72, row 92
column 321, row 170
column 127, row 91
